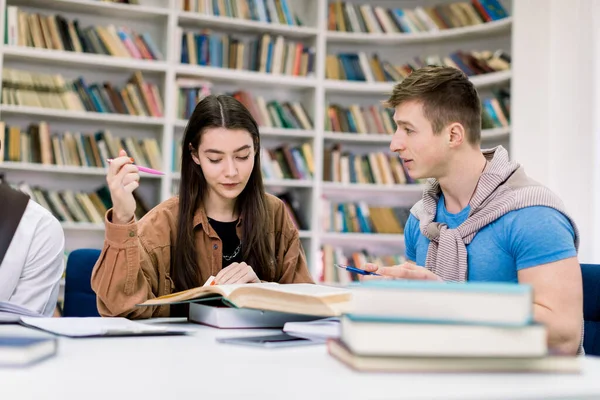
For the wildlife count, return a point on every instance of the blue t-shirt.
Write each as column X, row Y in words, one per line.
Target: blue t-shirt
column 520, row 239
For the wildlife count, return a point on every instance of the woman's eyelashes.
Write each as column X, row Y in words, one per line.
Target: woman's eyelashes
column 241, row 158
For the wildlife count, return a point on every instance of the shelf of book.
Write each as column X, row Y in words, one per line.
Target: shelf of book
column 84, row 60
column 240, row 76
column 59, row 114
column 242, row 25
column 348, row 237
column 489, row 28
column 383, row 88
column 106, row 9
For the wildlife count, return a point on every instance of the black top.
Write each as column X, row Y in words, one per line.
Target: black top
column 230, row 243
column 232, row 247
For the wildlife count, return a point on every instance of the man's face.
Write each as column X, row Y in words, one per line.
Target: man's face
column 424, row 153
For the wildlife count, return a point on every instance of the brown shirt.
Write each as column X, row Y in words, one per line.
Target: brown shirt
column 135, row 263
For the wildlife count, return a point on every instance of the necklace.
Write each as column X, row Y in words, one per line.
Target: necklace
column 235, row 252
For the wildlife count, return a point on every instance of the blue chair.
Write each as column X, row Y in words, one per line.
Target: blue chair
column 591, row 308
column 80, row 299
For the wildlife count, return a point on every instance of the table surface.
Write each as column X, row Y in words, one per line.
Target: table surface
column 171, row 367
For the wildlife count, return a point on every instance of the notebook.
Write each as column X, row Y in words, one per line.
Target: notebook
column 18, row 351
column 97, row 326
column 299, row 298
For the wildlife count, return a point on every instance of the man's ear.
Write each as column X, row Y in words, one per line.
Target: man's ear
column 456, row 134
column 194, row 153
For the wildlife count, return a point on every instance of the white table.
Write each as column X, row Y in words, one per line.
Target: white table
column 197, row 367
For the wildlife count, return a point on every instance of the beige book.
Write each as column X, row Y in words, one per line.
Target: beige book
column 45, row 143
column 45, row 29
column 308, row 156
column 192, row 51
column 36, row 31
column 298, row 298
column 54, row 33
column 74, row 37
column 277, row 58
column 25, row 38
column 116, row 41
column 376, row 169
column 136, row 99
column 332, row 67
column 90, row 208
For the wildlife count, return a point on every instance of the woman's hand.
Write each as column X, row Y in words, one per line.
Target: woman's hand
column 123, row 178
column 236, row 273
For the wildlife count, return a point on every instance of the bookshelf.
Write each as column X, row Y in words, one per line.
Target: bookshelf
column 165, row 22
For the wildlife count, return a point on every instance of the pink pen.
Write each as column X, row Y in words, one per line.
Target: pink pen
column 143, row 169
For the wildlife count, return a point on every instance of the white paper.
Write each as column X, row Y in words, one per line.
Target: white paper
column 96, row 326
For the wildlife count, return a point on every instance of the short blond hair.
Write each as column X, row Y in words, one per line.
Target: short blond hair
column 447, row 96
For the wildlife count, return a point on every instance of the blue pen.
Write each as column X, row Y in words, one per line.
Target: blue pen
column 356, row 270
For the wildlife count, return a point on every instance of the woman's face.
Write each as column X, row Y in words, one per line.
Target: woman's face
column 226, row 157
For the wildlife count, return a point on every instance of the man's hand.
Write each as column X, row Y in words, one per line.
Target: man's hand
column 236, row 273
column 408, row 270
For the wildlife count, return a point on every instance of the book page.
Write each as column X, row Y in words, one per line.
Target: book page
column 306, row 289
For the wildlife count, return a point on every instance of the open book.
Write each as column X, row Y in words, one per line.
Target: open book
column 298, row 298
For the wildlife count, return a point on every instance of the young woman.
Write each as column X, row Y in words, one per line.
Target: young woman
column 222, row 223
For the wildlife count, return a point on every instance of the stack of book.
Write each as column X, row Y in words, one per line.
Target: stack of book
column 266, row 53
column 32, row 89
column 359, row 67
column 55, row 32
column 269, row 11
column 36, row 144
column 359, row 217
column 417, row 326
column 377, row 167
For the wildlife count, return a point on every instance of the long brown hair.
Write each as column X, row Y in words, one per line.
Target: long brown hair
column 213, row 112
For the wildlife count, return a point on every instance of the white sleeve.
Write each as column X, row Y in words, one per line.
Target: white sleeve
column 39, row 282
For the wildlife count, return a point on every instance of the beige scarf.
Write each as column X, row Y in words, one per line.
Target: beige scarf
column 503, row 187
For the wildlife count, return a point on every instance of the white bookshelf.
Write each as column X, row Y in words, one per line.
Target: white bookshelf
column 84, row 60
column 164, row 18
column 238, row 25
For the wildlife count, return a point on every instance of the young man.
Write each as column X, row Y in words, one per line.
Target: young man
column 33, row 260
column 481, row 218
